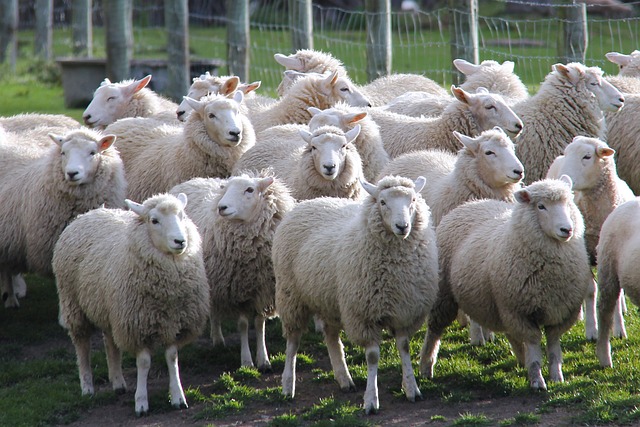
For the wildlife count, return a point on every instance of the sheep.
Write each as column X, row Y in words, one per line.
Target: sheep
column 616, row 252
column 307, row 61
column 570, row 102
column 470, row 114
column 128, row 98
column 237, row 219
column 627, row 80
column 368, row 142
column 513, row 268
column 495, row 77
column 138, row 275
column 29, row 121
column 214, row 137
column 598, row 191
column 359, row 266
column 327, row 164
column 41, row 193
column 311, row 91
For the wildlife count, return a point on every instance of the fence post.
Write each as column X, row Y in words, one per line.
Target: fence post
column 119, row 38
column 82, row 28
column 573, row 35
column 301, row 24
column 176, row 21
column 44, row 29
column 464, row 34
column 9, row 31
column 378, row 13
column 238, row 38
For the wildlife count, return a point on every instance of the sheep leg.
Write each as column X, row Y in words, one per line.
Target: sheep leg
column 338, row 361
column 8, row 295
column 82, row 344
column 262, row 357
column 216, row 330
column 289, row 372
column 176, row 392
column 442, row 314
column 554, row 353
column 619, row 330
column 19, row 286
column 518, row 349
column 114, row 364
column 533, row 356
column 143, row 365
column 590, row 325
column 371, row 403
column 476, row 335
column 245, row 351
column 409, row 384
column 609, row 287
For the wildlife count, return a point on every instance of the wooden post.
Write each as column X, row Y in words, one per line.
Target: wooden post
column 464, row 34
column 176, row 21
column 573, row 35
column 119, row 38
column 238, row 38
column 43, row 42
column 82, row 28
column 378, row 13
column 9, row 32
column 301, row 23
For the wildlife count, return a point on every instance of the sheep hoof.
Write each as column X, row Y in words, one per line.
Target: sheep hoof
column 142, row 413
column 181, row 405
column 265, row 369
column 120, row 391
column 370, row 410
column 349, row 389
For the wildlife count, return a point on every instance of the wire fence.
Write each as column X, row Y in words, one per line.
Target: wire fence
column 526, row 32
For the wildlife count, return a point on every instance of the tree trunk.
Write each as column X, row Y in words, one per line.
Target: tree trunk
column 176, row 21
column 44, row 29
column 9, row 31
column 301, row 24
column 464, row 34
column 238, row 38
column 572, row 46
column 82, row 28
column 119, row 38
column 378, row 14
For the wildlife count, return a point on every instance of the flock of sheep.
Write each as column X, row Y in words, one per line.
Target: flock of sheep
column 365, row 208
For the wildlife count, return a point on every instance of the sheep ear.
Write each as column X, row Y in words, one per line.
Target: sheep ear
column 603, row 151
column 369, row 188
column 567, row 180
column 499, row 129
column 314, row 111
column 229, row 86
column 522, row 196
column 565, row 72
column 353, row 133
column 137, row 85
column 58, row 139
column 105, row 82
column 460, row 94
column 469, row 143
column 306, row 135
column 508, row 66
column 482, row 90
column 106, row 142
column 197, row 106
column 264, row 183
column 290, row 62
column 238, row 96
column 249, row 87
column 419, row 183
column 137, row 208
column 618, row 58
column 183, row 199
column 465, row 67
column 330, row 80
column 355, row 117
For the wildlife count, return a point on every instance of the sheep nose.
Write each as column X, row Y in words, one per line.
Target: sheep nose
column 72, row 175
column 518, row 172
column 566, row 231
column 329, row 168
column 402, row 228
column 621, row 99
column 180, row 113
column 519, row 126
column 222, row 208
column 368, row 104
column 235, row 133
column 179, row 242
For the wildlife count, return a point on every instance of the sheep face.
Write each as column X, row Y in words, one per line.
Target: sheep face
column 328, row 148
column 334, row 117
column 584, row 161
column 80, row 156
column 241, row 197
column 165, row 222
column 222, row 117
column 608, row 97
column 495, row 155
column 396, row 205
column 629, row 65
column 344, row 90
column 110, row 101
column 553, row 210
column 205, row 85
column 489, row 110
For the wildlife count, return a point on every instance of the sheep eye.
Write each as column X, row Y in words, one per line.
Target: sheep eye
column 154, row 221
column 345, row 89
column 313, row 147
column 383, row 203
column 212, row 116
column 111, row 98
column 541, row 207
column 587, row 157
column 490, row 107
column 93, row 153
column 595, row 83
column 249, row 190
column 489, row 152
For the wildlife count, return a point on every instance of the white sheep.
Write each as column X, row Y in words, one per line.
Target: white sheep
column 598, row 191
column 570, row 102
column 495, row 77
column 29, row 121
column 469, row 114
column 327, row 164
column 128, row 98
column 513, row 268
column 214, row 137
column 312, row 91
column 42, row 193
column 617, row 253
column 138, row 275
column 307, row 61
column 359, row 266
column 627, row 80
column 237, row 219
